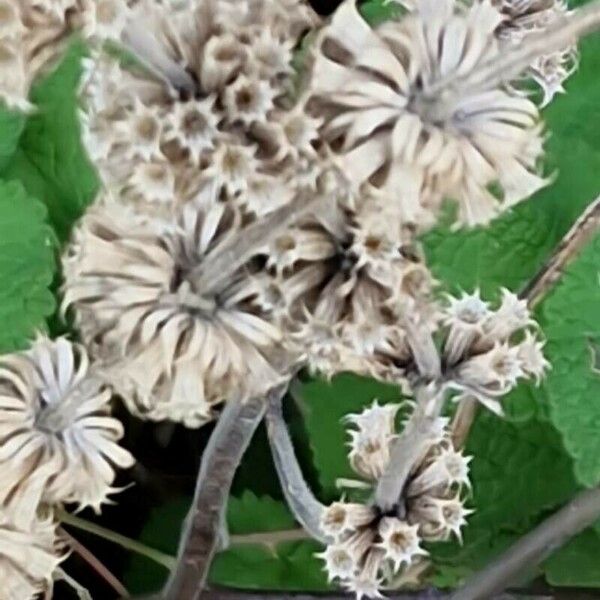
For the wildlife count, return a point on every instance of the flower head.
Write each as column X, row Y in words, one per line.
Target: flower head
column 171, row 351
column 29, row 554
column 400, row 541
column 59, row 442
column 371, row 90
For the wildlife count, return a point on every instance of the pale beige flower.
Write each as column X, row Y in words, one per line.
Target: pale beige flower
column 339, row 564
column 344, row 517
column 29, row 555
column 400, row 541
column 59, row 442
column 172, row 352
column 370, row 87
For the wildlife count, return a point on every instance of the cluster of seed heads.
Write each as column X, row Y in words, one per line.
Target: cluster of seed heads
column 263, row 191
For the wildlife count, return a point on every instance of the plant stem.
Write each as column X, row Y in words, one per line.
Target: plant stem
column 305, row 507
column 204, row 523
column 134, row 546
column 533, row 548
column 575, row 239
column 410, row 447
column 96, row 564
column 586, row 226
column 270, row 538
column 512, row 61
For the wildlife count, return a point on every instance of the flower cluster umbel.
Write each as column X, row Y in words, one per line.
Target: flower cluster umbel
column 370, row 548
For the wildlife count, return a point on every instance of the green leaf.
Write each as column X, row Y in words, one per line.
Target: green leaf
column 519, row 472
column 324, row 404
column 11, row 127
column 513, row 247
column 379, row 11
column 249, row 514
column 27, row 264
column 287, row 566
column 51, row 150
column 576, row 564
column 570, row 318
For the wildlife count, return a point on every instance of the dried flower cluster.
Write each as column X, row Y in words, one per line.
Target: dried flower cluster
column 202, row 130
column 371, row 89
column 58, row 445
column 369, row 547
column 485, row 352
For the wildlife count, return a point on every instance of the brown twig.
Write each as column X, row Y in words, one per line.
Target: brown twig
column 534, row 291
column 584, row 228
column 270, row 539
column 203, row 526
column 533, row 548
column 95, row 563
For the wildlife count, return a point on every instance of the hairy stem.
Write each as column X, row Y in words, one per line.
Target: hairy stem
column 514, row 60
column 107, row 534
column 410, row 447
column 586, row 226
column 533, row 548
column 218, row 266
column 96, row 564
column 204, row 523
column 305, row 507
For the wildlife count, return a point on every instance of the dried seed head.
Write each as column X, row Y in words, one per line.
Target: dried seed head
column 370, row 88
column 29, row 554
column 59, row 440
column 172, row 352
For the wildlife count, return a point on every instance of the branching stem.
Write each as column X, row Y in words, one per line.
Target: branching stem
column 96, row 564
column 533, row 548
column 305, row 507
column 112, row 536
column 203, row 526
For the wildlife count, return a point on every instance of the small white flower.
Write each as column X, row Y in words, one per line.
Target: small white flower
column 222, row 60
column 339, row 564
column 344, row 517
column 272, row 56
column 496, row 370
column 532, row 358
column 193, row 125
column 448, row 468
column 375, row 419
column 439, row 518
column 233, row 165
column 368, row 581
column 153, row 181
column 248, row 100
column 512, row 315
column 140, row 133
column 465, row 318
column 59, row 440
column 400, row 541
